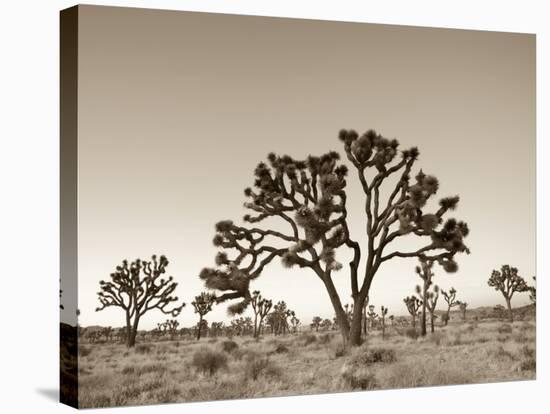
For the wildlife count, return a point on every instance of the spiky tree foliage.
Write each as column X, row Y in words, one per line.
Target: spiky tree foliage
column 413, row 304
column 462, row 306
column 507, row 281
column 203, row 304
column 450, row 298
column 392, row 320
column 383, row 313
column 431, row 302
column 137, row 288
column 216, row 329
column 533, row 291
column 261, row 308
column 316, row 323
column 308, row 196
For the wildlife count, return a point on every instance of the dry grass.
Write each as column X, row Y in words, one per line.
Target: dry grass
column 178, row 371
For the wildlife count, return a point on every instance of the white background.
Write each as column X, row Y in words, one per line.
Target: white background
column 29, row 205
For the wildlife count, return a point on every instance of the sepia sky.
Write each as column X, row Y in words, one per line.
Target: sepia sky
column 176, row 109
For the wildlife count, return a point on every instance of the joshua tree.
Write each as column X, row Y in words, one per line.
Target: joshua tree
column 316, row 322
column 463, row 306
column 424, row 270
column 392, row 320
column 383, row 313
column 533, row 291
column 372, row 316
column 107, row 333
column 508, row 282
column 202, row 305
column 326, row 325
column 294, row 322
column 279, row 318
column 261, row 308
column 138, row 288
column 216, row 328
column 364, row 316
column 171, row 325
column 450, row 298
column 413, row 304
column 431, row 299
column 309, row 196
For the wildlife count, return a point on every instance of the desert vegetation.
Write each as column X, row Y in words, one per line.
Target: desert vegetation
column 264, row 348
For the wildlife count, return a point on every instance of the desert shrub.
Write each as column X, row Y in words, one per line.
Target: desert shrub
column 229, row 346
column 208, row 361
column 373, row 356
column 84, row 351
column 436, row 338
column 325, row 339
column 505, row 329
column 309, row 339
column 527, row 352
column 500, row 353
column 503, row 338
column 358, row 377
column 521, row 339
column 457, row 340
column 340, row 351
column 411, row 333
column 482, row 340
column 281, row 349
column 143, row 349
column 257, row 366
column 128, row 370
column 212, row 340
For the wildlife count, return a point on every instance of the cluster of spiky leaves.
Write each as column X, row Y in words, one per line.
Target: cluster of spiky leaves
column 139, row 287
column 260, row 305
column 316, row 322
column 278, row 318
column 371, row 314
column 203, row 303
column 432, row 297
column 407, row 203
column 242, row 326
column 307, row 196
column 413, row 304
column 507, row 281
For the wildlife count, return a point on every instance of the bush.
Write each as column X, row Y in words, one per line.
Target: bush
column 84, row 352
column 373, row 356
column 358, row 377
column 529, row 364
column 505, row 329
column 257, row 366
column 411, row 333
column 281, row 349
column 208, row 361
column 436, row 338
column 340, row 351
column 325, row 339
column 229, row 346
column 309, row 339
column 143, row 349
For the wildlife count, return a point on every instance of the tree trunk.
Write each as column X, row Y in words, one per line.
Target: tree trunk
column 341, row 316
column 255, row 325
column 130, row 341
column 423, row 316
column 432, row 322
column 357, row 321
column 414, row 321
column 510, row 312
column 448, row 318
column 199, row 329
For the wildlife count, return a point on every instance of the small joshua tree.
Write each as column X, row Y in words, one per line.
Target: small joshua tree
column 138, row 288
column 372, row 316
column 280, row 317
column 203, row 304
column 413, row 304
column 316, row 323
column 431, row 299
column 171, row 325
column 383, row 313
column 294, row 322
column 392, row 320
column 261, row 308
column 450, row 298
column 508, row 282
column 463, row 306
column 107, row 333
column 326, row 325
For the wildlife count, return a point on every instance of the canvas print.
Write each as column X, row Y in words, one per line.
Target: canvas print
column 259, row 207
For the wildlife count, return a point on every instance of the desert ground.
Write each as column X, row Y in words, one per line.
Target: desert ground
column 184, row 369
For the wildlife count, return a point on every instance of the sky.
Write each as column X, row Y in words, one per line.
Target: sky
column 176, row 109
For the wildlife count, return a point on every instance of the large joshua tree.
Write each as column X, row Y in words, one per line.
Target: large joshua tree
column 137, row 288
column 309, row 198
column 508, row 282
column 203, row 304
